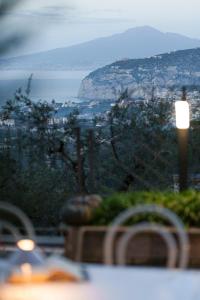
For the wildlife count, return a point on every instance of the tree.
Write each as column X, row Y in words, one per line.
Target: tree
column 48, row 142
column 142, row 141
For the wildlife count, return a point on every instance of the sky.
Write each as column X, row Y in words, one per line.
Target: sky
column 58, row 23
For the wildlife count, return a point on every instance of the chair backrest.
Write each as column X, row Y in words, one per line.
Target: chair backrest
column 142, row 227
column 20, row 215
column 11, row 228
column 166, row 214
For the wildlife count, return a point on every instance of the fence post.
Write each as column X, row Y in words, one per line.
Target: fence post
column 79, row 161
column 91, row 159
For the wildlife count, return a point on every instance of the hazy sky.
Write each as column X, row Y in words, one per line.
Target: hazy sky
column 58, row 23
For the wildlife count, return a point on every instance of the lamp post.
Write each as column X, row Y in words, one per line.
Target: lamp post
column 183, row 124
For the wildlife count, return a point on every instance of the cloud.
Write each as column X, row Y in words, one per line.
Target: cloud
column 59, row 8
column 103, row 20
column 63, row 14
column 70, row 13
column 46, row 13
column 107, row 10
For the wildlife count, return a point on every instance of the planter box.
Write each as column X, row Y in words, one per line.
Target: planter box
column 85, row 244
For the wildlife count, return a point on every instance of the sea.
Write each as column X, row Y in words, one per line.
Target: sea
column 61, row 86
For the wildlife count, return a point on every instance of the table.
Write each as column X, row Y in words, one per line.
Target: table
column 115, row 283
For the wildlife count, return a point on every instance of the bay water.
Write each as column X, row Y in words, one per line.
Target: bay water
column 46, row 85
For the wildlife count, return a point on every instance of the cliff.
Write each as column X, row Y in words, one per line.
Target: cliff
column 162, row 73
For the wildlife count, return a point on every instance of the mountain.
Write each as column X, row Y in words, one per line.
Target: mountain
column 137, row 42
column 161, row 73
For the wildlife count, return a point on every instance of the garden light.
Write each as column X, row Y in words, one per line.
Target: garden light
column 183, row 124
column 182, row 114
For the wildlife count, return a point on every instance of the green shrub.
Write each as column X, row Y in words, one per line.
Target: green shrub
column 186, row 205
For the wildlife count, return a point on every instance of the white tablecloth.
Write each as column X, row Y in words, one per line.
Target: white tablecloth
column 115, row 283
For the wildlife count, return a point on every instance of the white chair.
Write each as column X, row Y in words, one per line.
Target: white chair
column 135, row 229
column 20, row 215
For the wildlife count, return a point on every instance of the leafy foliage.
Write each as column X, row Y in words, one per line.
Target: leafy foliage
column 186, row 205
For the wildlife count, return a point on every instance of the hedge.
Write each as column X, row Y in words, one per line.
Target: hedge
column 186, row 205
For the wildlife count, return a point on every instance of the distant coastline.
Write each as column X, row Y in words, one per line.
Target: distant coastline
column 58, row 85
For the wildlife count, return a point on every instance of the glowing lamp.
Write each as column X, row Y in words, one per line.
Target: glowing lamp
column 182, row 114
column 27, row 253
column 28, row 263
column 26, row 245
